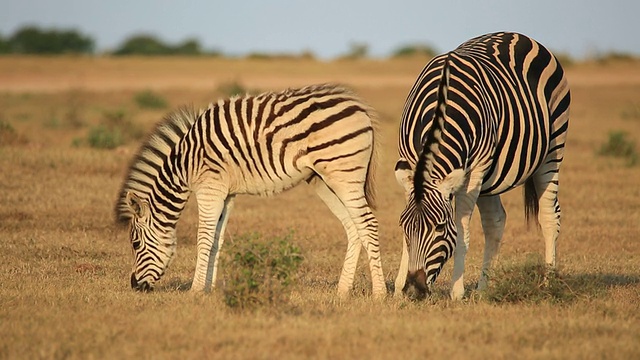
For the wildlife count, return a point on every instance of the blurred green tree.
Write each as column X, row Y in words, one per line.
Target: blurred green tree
column 4, row 45
column 143, row 44
column 33, row 40
column 188, row 47
column 415, row 49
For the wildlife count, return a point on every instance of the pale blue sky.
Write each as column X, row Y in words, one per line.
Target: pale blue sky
column 328, row 27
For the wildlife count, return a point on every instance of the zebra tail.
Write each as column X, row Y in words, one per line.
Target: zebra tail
column 369, row 185
column 531, row 206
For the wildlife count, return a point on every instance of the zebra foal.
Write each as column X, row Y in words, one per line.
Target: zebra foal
column 258, row 145
column 480, row 120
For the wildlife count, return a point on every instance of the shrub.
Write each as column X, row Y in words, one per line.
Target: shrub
column 415, row 50
column 143, row 44
column 528, row 283
column 257, row 271
column 233, row 88
column 150, row 100
column 150, row 45
column 33, row 40
column 619, row 146
column 9, row 136
column 100, row 137
column 357, row 50
column 115, row 129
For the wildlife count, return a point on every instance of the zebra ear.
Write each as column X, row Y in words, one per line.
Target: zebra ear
column 452, row 183
column 404, row 176
column 137, row 206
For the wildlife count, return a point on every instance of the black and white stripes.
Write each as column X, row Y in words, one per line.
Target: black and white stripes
column 480, row 120
column 260, row 145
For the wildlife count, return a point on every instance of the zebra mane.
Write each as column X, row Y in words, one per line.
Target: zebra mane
column 326, row 88
column 431, row 146
column 146, row 165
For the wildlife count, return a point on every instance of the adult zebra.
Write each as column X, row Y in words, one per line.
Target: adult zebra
column 259, row 145
column 480, row 120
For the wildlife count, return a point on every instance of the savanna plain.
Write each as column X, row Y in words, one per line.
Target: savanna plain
column 64, row 274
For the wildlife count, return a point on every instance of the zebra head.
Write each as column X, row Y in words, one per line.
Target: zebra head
column 153, row 244
column 428, row 222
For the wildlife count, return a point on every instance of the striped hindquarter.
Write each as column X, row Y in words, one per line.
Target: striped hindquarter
column 259, row 145
column 480, row 120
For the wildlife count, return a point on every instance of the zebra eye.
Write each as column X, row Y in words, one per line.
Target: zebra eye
column 440, row 227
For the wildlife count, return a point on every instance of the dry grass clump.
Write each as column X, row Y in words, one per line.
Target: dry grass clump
column 531, row 282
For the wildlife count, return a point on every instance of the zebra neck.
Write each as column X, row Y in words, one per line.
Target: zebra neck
column 171, row 192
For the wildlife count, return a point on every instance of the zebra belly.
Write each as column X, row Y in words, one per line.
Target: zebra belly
column 503, row 178
column 268, row 184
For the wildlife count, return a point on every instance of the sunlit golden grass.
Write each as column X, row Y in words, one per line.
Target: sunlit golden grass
column 64, row 289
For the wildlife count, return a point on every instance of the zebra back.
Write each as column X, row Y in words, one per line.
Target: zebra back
column 255, row 118
column 497, row 81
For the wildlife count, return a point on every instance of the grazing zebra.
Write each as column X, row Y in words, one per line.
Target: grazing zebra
column 479, row 121
column 259, row 145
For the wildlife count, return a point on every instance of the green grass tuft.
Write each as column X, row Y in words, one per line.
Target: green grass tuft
column 101, row 137
column 259, row 271
column 148, row 99
column 618, row 145
column 115, row 129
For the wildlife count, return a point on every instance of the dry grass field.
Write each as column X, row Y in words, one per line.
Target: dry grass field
column 64, row 274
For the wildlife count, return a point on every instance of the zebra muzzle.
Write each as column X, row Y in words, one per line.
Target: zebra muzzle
column 140, row 286
column 415, row 286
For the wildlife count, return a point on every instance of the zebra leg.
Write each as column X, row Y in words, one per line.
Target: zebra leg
column 221, row 227
column 213, row 217
column 358, row 234
column 404, row 176
column 401, row 279
column 465, row 202
column 549, row 212
column 493, row 219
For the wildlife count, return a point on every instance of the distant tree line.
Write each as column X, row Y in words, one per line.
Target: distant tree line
column 32, row 40
column 144, row 44
column 38, row 41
